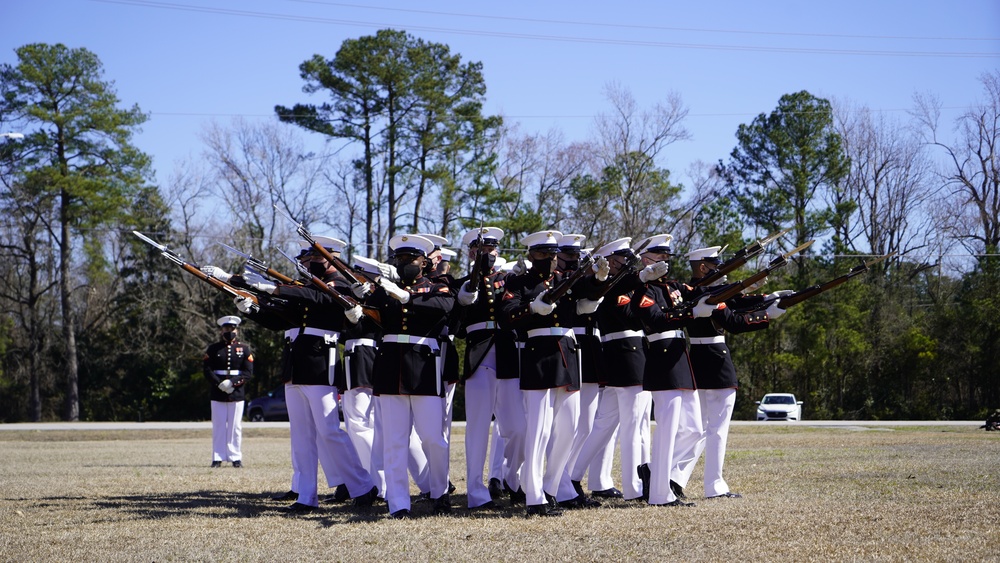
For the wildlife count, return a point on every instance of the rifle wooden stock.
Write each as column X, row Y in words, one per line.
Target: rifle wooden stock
column 734, row 289
column 215, row 282
column 565, row 284
column 739, row 259
column 813, row 291
column 343, row 300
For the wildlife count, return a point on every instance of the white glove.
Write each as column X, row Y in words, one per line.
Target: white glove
column 394, row 291
column 774, row 311
column 466, row 297
column 654, row 271
column 354, row 314
column 703, row 309
column 520, row 267
column 756, row 286
column 227, row 385
column 243, row 304
column 264, row 286
column 360, row 290
column 601, row 268
column 216, row 272
column 388, row 272
column 540, row 307
column 587, row 306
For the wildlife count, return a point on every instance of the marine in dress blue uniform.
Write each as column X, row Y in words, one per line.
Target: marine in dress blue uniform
column 228, row 365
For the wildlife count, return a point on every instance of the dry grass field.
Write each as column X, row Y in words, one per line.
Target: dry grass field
column 810, row 494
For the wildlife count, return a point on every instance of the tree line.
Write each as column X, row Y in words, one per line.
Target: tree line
column 96, row 326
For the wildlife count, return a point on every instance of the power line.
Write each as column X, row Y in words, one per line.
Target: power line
column 554, row 38
column 639, row 26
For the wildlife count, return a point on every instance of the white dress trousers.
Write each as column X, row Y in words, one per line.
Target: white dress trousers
column 625, row 407
column 715, row 409
column 227, row 430
column 599, row 471
column 402, row 414
column 486, row 397
column 312, row 412
column 551, row 416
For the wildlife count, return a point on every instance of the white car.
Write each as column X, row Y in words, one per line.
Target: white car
column 779, row 406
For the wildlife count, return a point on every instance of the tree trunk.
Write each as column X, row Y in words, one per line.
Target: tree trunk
column 69, row 337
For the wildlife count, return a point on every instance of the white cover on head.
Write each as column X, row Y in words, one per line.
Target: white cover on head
column 329, row 243
column 421, row 244
column 572, row 240
column 655, row 241
column 703, row 253
column 547, row 238
column 613, row 246
column 228, row 320
column 366, row 264
column 438, row 240
column 488, row 232
column 447, row 254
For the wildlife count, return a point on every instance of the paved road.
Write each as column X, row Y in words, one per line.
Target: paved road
column 207, row 425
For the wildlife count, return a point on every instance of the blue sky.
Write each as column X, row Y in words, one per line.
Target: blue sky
column 546, row 63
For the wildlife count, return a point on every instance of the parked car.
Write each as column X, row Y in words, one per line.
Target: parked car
column 272, row 407
column 268, row 407
column 779, row 406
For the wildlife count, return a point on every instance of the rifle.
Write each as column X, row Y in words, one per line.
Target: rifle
column 480, row 270
column 813, row 291
column 732, row 290
column 741, row 257
column 565, row 284
column 344, row 301
column 192, row 269
column 259, row 265
column 629, row 267
column 339, row 264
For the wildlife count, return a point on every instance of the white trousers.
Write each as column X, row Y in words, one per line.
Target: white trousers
column 599, row 470
column 625, row 407
column 416, row 460
column 227, row 430
column 486, row 397
column 359, row 421
column 551, row 416
column 401, row 414
column 497, row 469
column 317, row 437
column 712, row 424
column 668, row 406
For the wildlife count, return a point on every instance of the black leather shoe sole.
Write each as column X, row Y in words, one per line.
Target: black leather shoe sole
column 608, row 493
column 496, row 489
column 366, row 499
column 299, row 508
column 544, row 510
column 401, row 515
column 290, row 495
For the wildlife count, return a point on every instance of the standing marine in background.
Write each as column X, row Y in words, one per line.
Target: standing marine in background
column 228, row 365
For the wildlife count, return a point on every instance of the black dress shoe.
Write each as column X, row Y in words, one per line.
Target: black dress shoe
column 729, row 494
column 341, row 494
column 496, row 489
column 290, row 495
column 581, row 501
column 366, row 499
column 488, row 505
column 401, row 515
column 516, row 497
column 544, row 510
column 237, row 464
column 608, row 493
column 423, row 497
column 551, row 500
column 577, row 487
column 216, row 464
column 644, row 475
column 298, row 508
column 442, row 505
column 451, row 487
column 677, row 490
column 679, row 502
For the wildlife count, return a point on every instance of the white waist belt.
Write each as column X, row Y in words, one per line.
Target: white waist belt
column 582, row 331
column 709, row 340
column 665, row 334
column 486, row 325
column 519, row 345
column 551, row 331
column 226, row 372
column 411, row 339
column 622, row 334
column 328, row 335
column 353, row 343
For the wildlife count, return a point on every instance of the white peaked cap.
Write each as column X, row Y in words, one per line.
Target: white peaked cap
column 228, row 320
column 575, row 241
column 422, row 245
column 365, row 264
column 704, row 253
column 438, row 240
column 488, row 233
column 614, row 246
column 542, row 238
column 447, row 254
column 329, row 243
column 657, row 243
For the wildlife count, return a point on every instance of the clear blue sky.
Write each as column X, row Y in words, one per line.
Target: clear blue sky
column 545, row 63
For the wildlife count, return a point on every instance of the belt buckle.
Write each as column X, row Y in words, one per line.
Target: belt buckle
column 329, row 339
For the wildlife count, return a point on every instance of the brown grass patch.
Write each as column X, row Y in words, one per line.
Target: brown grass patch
column 917, row 493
